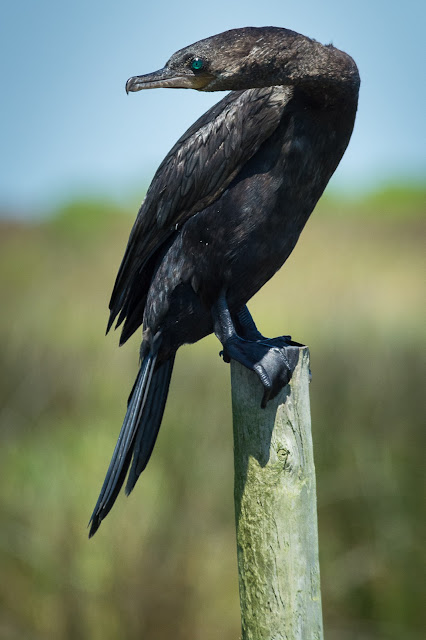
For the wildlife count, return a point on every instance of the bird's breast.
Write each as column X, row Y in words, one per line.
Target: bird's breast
column 239, row 241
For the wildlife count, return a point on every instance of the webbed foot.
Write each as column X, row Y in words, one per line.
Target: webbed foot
column 273, row 364
column 273, row 360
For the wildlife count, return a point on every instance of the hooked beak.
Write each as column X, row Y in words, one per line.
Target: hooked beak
column 167, row 78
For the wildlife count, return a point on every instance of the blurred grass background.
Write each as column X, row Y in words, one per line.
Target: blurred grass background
column 163, row 564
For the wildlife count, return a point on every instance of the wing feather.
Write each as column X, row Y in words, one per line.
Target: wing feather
column 194, row 173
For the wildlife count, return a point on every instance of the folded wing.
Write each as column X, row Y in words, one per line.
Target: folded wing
column 194, row 174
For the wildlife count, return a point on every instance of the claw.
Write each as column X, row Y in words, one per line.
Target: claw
column 224, row 354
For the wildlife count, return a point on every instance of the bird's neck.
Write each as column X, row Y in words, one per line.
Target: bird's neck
column 326, row 73
column 322, row 71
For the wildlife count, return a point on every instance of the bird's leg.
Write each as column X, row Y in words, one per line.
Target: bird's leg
column 246, row 326
column 247, row 329
column 273, row 361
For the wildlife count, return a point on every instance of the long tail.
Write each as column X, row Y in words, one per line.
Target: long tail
column 137, row 436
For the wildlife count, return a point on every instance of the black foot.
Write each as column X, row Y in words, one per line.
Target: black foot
column 273, row 360
column 273, row 364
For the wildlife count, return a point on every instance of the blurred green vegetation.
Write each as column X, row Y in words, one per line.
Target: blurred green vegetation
column 163, row 564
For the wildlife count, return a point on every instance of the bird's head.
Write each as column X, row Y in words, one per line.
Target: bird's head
column 232, row 60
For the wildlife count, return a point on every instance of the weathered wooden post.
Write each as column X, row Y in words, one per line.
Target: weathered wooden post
column 275, row 509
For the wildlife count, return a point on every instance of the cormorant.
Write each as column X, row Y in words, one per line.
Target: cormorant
column 223, row 213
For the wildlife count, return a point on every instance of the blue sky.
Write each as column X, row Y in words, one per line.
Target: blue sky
column 68, row 128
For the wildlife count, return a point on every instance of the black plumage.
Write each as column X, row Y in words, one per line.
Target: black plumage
column 224, row 211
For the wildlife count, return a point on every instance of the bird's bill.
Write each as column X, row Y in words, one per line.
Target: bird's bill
column 167, row 78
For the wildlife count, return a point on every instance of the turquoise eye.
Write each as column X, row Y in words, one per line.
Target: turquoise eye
column 197, row 64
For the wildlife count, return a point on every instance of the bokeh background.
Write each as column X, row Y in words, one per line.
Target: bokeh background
column 76, row 157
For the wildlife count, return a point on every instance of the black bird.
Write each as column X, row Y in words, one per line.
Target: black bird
column 223, row 213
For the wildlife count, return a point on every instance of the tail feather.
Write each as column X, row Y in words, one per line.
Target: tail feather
column 138, row 433
column 153, row 414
